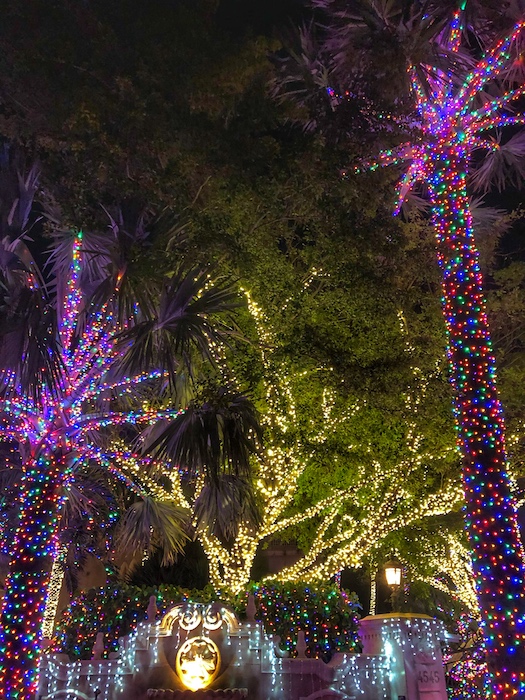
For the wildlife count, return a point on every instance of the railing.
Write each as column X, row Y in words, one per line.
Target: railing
column 69, row 694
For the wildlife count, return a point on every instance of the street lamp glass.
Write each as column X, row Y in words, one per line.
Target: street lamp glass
column 393, row 572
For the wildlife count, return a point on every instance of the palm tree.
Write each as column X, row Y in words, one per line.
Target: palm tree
column 465, row 95
column 89, row 360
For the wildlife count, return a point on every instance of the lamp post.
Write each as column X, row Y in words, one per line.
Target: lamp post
column 393, row 575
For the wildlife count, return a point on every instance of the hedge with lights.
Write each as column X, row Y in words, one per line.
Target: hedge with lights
column 327, row 615
column 114, row 611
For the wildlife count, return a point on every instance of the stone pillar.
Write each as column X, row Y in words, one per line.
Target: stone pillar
column 412, row 643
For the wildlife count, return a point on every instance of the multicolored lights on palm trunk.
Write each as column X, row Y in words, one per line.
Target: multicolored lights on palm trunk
column 34, row 550
column 490, row 515
column 56, row 429
column 454, row 122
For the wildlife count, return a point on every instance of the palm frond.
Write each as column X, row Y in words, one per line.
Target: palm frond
column 28, row 349
column 132, row 259
column 120, row 264
column 380, row 37
column 216, row 437
column 222, row 505
column 18, row 186
column 490, row 223
column 413, row 204
column 302, row 78
column 188, row 320
column 487, row 220
column 28, row 340
column 88, row 495
column 504, row 164
column 148, row 525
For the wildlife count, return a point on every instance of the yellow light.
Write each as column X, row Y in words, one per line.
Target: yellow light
column 53, row 592
column 393, row 573
column 198, row 662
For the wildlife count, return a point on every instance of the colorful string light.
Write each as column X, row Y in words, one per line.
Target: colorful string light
column 452, row 127
column 54, row 431
column 467, row 676
column 327, row 616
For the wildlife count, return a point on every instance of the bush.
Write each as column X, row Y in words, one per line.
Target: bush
column 327, row 615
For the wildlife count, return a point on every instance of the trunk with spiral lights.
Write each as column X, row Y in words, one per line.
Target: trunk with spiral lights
column 31, row 560
column 230, row 567
column 490, row 517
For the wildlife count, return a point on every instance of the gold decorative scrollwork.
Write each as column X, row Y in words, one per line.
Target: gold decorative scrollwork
column 190, row 615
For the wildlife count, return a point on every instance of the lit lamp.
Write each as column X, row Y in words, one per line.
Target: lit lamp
column 198, row 662
column 393, row 572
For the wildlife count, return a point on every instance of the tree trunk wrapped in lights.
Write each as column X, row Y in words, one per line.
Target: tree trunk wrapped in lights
column 34, row 550
column 454, row 122
column 490, row 515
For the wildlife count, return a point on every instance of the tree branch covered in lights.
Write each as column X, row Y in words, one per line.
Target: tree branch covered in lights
column 377, row 499
column 347, row 522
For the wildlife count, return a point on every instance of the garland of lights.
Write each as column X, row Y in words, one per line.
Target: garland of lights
column 454, row 566
column 451, row 128
column 114, row 612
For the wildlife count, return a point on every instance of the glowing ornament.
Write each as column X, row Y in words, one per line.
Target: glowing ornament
column 198, row 662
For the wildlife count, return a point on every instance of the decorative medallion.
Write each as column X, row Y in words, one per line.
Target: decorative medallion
column 198, row 662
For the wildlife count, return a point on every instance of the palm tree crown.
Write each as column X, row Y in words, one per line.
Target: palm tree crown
column 461, row 114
